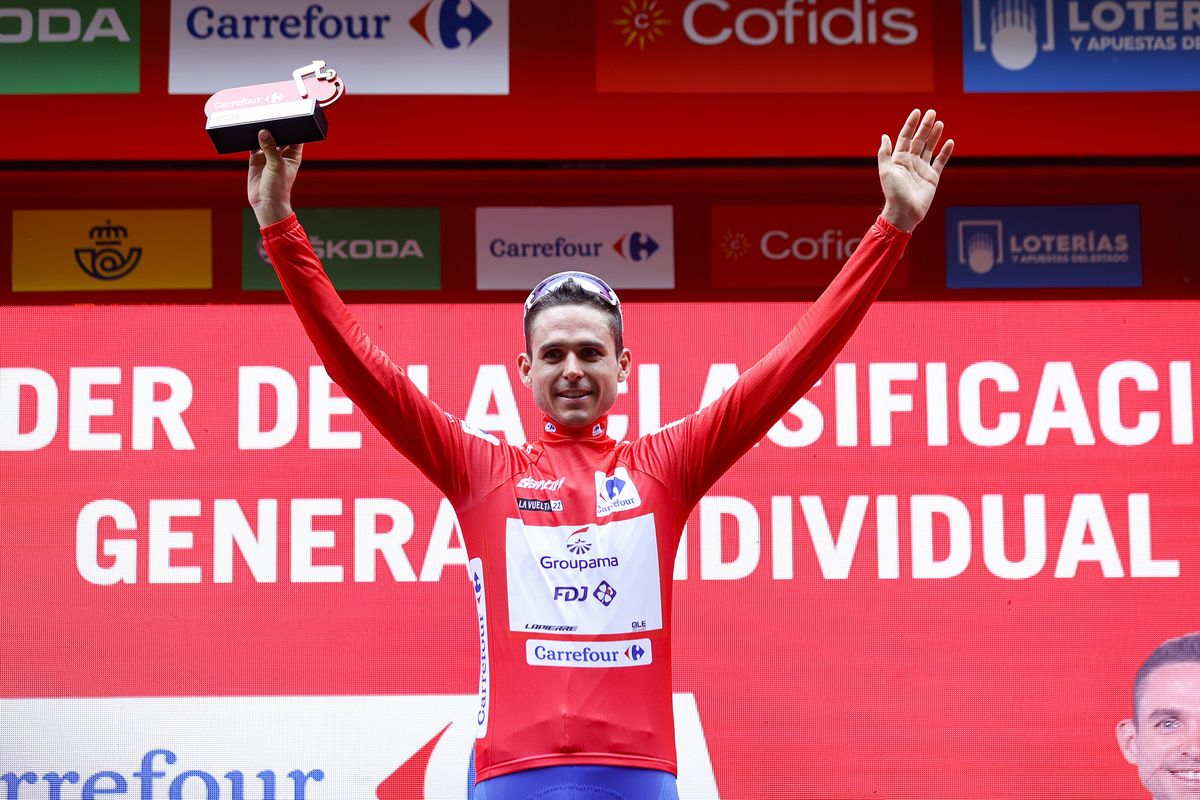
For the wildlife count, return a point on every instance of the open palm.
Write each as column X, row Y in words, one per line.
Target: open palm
column 909, row 173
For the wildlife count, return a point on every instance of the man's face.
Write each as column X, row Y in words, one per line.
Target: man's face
column 573, row 369
column 1164, row 740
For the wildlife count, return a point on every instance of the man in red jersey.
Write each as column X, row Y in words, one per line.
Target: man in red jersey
column 1163, row 736
column 571, row 539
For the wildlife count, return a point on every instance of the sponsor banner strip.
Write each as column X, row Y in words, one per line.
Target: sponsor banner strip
column 627, row 653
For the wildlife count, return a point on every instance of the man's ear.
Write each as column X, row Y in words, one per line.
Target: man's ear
column 524, row 365
column 624, row 364
column 1127, row 739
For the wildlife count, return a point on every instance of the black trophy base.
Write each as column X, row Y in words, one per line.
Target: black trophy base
column 241, row 137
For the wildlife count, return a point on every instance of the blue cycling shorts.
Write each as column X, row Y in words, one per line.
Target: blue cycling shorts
column 580, row 782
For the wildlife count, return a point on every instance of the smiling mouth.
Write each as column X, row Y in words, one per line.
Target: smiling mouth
column 574, row 394
column 1186, row 774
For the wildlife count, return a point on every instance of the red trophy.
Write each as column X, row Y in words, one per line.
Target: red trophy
column 291, row 110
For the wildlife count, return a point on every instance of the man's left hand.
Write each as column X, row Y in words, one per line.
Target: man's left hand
column 909, row 174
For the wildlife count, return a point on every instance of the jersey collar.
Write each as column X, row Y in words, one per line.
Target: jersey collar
column 555, row 432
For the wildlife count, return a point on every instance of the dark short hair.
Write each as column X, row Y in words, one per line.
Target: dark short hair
column 570, row 293
column 1180, row 650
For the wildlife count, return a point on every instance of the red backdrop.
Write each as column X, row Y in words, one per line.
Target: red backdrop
column 808, row 684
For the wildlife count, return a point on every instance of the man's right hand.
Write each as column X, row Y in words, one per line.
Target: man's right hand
column 269, row 183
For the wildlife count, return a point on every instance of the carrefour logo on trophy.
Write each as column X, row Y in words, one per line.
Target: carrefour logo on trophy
column 290, row 110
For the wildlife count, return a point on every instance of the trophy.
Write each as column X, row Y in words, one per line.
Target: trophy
column 291, row 110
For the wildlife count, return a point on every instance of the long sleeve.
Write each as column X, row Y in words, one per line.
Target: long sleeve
column 707, row 443
column 413, row 423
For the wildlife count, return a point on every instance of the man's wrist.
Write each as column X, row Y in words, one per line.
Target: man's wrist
column 269, row 214
column 903, row 219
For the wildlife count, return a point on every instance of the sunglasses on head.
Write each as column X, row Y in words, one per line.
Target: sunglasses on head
column 585, row 280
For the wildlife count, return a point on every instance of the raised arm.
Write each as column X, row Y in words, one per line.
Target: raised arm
column 409, row 420
column 710, row 441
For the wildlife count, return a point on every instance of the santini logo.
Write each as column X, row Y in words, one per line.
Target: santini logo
column 615, row 492
column 546, row 485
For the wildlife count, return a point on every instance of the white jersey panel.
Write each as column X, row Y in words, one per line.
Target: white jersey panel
column 584, row 580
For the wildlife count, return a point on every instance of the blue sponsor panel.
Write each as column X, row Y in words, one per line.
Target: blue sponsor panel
column 1081, row 46
column 1010, row 247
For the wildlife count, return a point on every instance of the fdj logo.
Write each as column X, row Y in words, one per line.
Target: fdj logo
column 571, row 594
column 105, row 261
column 605, row 593
column 440, row 23
column 636, row 246
column 1012, row 31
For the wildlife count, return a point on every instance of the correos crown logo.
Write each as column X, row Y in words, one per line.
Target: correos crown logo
column 106, row 261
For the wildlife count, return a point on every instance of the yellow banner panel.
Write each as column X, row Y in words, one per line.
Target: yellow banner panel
column 55, row 251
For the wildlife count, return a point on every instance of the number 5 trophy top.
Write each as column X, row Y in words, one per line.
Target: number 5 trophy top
column 290, row 110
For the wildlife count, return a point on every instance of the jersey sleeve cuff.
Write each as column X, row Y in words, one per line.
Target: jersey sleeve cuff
column 887, row 229
column 281, row 227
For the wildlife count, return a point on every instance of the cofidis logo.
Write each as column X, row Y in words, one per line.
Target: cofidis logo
column 788, row 246
column 1043, row 246
column 1081, row 46
column 380, row 46
column 763, row 45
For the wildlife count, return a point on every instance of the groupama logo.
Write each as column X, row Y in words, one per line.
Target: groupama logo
column 439, row 23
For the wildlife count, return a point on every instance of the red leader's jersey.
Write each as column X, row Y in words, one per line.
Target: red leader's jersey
column 572, row 539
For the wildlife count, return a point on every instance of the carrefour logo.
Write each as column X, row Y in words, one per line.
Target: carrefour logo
column 616, row 492
column 636, row 246
column 232, row 783
column 450, row 24
column 1081, row 45
column 379, row 46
